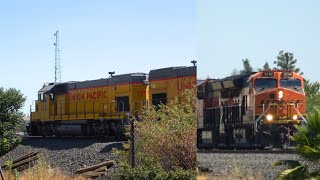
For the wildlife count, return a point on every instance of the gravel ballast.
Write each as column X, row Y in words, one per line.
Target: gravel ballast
column 69, row 154
column 222, row 164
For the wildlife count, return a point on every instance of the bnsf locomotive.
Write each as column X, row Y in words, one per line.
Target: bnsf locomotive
column 252, row 110
column 103, row 106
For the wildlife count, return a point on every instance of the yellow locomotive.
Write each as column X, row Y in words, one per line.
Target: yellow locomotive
column 103, row 106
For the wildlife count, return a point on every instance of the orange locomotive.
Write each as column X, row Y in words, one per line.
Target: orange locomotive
column 252, row 110
column 103, row 106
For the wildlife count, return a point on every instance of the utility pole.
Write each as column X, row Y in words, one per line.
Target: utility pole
column 57, row 67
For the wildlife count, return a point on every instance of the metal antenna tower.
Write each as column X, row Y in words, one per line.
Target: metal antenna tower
column 57, row 67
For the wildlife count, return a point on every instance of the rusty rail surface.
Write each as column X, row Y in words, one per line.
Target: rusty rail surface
column 95, row 170
column 22, row 162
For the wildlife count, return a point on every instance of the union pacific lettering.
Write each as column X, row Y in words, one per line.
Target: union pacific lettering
column 76, row 97
column 88, row 96
column 96, row 95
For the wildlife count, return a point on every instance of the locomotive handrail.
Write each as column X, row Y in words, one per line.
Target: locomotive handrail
column 259, row 118
column 222, row 106
column 221, row 125
column 304, row 119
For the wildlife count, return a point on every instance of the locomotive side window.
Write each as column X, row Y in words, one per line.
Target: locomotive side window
column 291, row 83
column 159, row 98
column 123, row 103
column 261, row 84
column 44, row 96
column 51, row 96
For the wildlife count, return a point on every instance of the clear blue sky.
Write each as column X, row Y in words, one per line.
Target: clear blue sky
column 231, row 31
column 96, row 36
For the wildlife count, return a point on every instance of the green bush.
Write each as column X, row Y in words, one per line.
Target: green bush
column 11, row 101
column 165, row 142
column 167, row 133
column 312, row 90
column 154, row 171
column 308, row 146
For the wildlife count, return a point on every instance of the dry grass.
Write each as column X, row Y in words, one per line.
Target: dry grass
column 41, row 171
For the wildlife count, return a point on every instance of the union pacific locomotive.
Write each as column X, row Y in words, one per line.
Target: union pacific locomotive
column 103, row 106
column 251, row 110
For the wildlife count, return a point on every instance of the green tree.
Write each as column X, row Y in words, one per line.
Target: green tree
column 312, row 90
column 286, row 61
column 11, row 101
column 235, row 72
column 265, row 67
column 247, row 68
column 308, row 146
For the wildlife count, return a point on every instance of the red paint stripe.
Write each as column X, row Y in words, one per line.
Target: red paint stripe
column 165, row 79
column 119, row 84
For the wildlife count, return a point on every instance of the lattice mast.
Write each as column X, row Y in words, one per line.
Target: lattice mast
column 57, row 67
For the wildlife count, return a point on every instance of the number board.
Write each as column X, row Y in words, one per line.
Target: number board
column 287, row 74
column 268, row 74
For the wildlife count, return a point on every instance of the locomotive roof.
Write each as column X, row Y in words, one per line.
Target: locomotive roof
column 172, row 72
column 53, row 87
column 236, row 81
column 234, row 77
column 200, row 81
column 46, row 88
column 117, row 79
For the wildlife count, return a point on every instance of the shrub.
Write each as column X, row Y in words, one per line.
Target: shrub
column 165, row 142
column 167, row 133
column 308, row 146
column 11, row 101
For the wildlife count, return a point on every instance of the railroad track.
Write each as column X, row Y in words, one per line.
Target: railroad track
column 95, row 170
column 23, row 162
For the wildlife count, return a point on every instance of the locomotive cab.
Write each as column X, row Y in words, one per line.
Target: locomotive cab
column 279, row 97
column 279, row 103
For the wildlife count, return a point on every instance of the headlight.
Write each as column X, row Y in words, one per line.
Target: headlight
column 280, row 94
column 269, row 117
column 294, row 117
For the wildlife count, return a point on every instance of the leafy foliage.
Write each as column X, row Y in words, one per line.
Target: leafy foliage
column 265, row 67
column 308, row 146
column 312, row 90
column 247, row 68
column 235, row 72
column 286, row 61
column 165, row 142
column 170, row 132
column 11, row 101
column 152, row 171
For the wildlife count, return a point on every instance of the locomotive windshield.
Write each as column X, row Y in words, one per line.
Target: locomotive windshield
column 291, row 83
column 265, row 83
